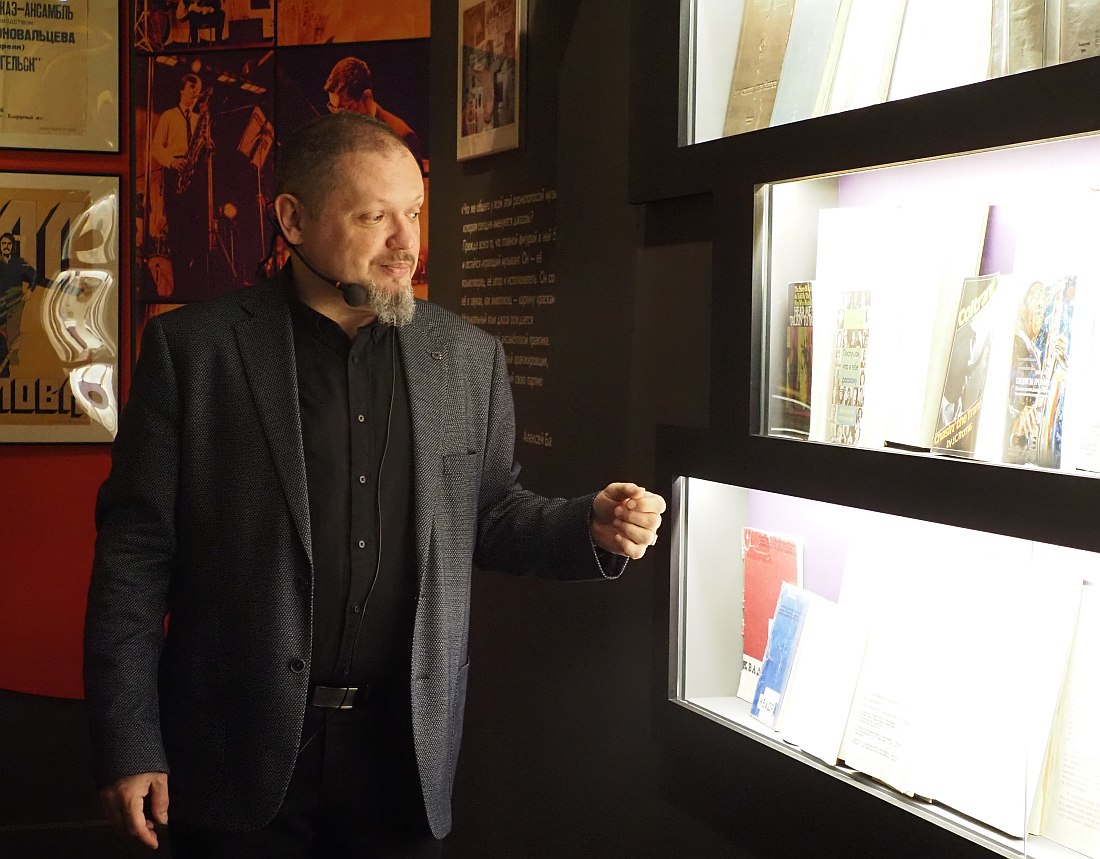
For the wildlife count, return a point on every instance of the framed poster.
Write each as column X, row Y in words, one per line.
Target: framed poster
column 58, row 307
column 489, row 63
column 59, row 75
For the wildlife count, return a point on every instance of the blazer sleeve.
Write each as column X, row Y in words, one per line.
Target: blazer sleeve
column 521, row 532
column 128, row 595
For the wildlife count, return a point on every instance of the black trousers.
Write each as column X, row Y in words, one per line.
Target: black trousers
column 355, row 792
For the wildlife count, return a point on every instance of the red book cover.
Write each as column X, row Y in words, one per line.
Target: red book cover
column 770, row 560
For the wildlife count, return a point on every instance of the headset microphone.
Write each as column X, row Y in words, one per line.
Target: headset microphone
column 355, row 294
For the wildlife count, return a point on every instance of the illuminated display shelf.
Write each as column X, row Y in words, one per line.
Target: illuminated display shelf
column 705, row 622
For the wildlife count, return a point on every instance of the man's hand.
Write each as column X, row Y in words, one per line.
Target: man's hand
column 625, row 519
column 124, row 803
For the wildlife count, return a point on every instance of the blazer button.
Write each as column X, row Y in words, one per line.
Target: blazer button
column 297, row 665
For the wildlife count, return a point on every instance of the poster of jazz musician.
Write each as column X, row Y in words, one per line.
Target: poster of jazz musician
column 59, row 75
column 203, row 145
column 58, row 308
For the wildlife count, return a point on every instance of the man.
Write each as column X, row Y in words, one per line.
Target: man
column 183, row 162
column 350, row 87
column 200, row 15
column 303, row 477
column 17, row 279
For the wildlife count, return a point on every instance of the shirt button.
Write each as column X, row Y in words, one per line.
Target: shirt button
column 355, row 359
column 357, row 608
column 362, row 544
column 362, row 478
column 297, row 665
column 361, row 419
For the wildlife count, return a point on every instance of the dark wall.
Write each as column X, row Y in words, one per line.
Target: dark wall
column 571, row 747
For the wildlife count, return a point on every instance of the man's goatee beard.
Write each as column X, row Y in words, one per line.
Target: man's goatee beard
column 392, row 307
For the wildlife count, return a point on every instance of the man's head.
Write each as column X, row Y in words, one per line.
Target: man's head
column 349, row 86
column 190, row 89
column 348, row 196
column 7, row 245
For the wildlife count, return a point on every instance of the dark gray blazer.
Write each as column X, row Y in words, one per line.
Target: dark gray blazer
column 205, row 516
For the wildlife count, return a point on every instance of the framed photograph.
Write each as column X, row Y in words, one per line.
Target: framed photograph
column 58, row 307
column 489, row 64
column 59, row 75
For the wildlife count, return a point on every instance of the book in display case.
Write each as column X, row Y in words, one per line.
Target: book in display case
column 948, row 671
column 752, row 64
column 946, row 306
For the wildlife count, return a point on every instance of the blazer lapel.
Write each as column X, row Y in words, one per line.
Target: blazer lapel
column 426, row 363
column 266, row 342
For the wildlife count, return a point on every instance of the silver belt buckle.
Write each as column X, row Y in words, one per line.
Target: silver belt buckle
column 334, row 697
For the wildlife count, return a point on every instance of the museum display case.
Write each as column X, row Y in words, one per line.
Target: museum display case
column 946, row 670
column 945, row 305
column 903, row 436
column 754, row 64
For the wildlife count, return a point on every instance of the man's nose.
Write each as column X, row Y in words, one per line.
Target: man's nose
column 405, row 233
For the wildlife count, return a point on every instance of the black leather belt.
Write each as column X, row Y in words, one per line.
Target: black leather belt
column 338, row 697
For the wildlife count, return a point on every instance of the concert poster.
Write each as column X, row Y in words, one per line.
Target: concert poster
column 386, row 79
column 317, row 22
column 489, row 65
column 59, row 75
column 175, row 26
column 58, row 307
column 203, row 144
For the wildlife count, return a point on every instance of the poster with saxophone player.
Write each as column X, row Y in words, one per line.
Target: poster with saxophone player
column 59, row 75
column 58, row 307
column 203, row 143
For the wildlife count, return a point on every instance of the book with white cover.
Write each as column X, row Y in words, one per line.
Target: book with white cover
column 912, row 260
column 813, row 48
column 957, row 617
column 867, row 53
column 1078, row 29
column 1070, row 809
column 943, row 44
column 1017, row 36
column 823, row 679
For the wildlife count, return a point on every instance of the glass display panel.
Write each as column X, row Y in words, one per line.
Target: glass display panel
column 946, row 306
column 948, row 671
column 752, row 64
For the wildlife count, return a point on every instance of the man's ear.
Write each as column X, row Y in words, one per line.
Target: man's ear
column 288, row 217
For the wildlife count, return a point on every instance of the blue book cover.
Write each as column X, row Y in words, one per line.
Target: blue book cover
column 790, row 614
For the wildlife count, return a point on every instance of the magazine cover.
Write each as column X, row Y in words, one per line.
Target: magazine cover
column 1040, row 371
column 967, row 367
column 850, row 368
column 800, row 348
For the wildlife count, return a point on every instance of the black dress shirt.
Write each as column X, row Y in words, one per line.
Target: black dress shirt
column 357, row 437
